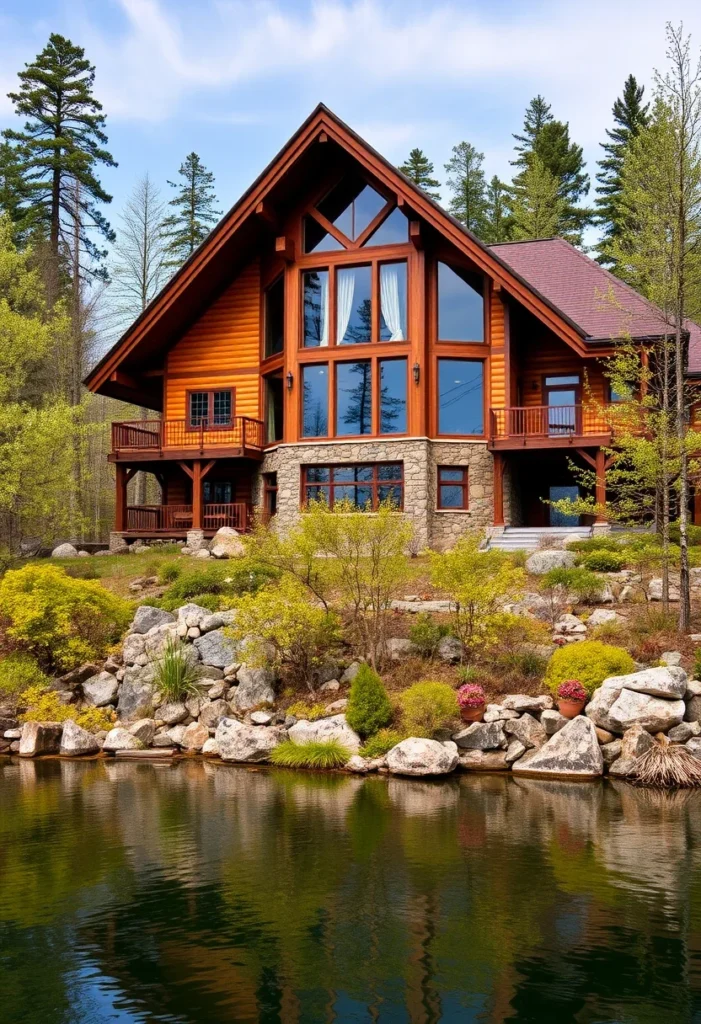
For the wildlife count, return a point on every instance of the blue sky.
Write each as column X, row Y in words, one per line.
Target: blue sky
column 232, row 80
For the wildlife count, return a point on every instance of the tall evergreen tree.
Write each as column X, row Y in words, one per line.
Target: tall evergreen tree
column 195, row 214
column 467, row 186
column 537, row 210
column 536, row 117
column 60, row 146
column 498, row 221
column 630, row 115
column 420, row 169
column 13, row 191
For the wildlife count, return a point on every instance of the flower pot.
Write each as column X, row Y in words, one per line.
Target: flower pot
column 570, row 708
column 472, row 714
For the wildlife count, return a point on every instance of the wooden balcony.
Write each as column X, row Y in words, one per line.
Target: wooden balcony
column 547, row 426
column 176, row 520
column 148, row 440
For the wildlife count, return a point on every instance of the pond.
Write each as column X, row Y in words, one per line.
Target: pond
column 202, row 892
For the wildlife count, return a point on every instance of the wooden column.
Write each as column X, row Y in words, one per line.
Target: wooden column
column 696, row 513
column 600, row 482
column 498, row 489
column 196, row 495
column 120, row 508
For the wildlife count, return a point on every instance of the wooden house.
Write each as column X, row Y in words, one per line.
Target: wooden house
column 340, row 335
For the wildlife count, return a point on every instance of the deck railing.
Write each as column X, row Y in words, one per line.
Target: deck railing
column 156, row 435
column 548, row 421
column 178, row 518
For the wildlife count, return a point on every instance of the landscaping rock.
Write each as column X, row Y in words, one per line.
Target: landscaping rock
column 622, row 767
column 215, row 648
column 135, row 695
column 359, row 765
column 636, row 742
column 552, row 722
column 162, row 739
column 192, row 615
column 134, row 645
column 336, row 707
column 147, row 617
column 227, row 543
column 514, row 751
column 671, row 658
column 541, row 562
column 195, row 736
column 602, row 616
column 484, row 761
column 175, row 735
column 694, row 746
column 76, row 741
column 450, row 650
column 684, row 731
column 121, row 739
column 332, row 686
column 64, row 551
column 421, row 607
column 398, row 649
column 602, row 701
column 202, row 553
column 261, row 718
column 212, row 713
column 570, row 625
column 604, row 736
column 216, row 620
column 218, row 690
column 334, row 728
column 206, row 674
column 524, row 702
column 482, row 736
column 669, row 682
column 693, row 710
column 351, row 672
column 240, row 742
column 573, row 752
column 415, row 756
column 611, row 752
column 40, row 738
column 255, row 687
column 532, row 606
column 654, row 590
column 144, row 730
column 194, row 705
column 173, row 713
column 210, row 748
column 497, row 713
column 528, row 730
column 101, row 690
column 653, row 713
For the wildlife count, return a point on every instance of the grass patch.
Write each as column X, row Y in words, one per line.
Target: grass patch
column 175, row 673
column 329, row 754
column 383, row 741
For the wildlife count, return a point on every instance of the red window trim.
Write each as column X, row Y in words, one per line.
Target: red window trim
column 209, row 424
column 463, row 483
column 373, row 484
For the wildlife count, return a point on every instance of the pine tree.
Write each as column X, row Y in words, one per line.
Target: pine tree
column 196, row 214
column 537, row 210
column 13, row 191
column 420, row 169
column 630, row 115
column 498, row 221
column 62, row 142
column 536, row 117
column 467, row 187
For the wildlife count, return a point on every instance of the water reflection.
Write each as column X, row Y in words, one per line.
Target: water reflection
column 205, row 892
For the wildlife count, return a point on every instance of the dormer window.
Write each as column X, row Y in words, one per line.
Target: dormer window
column 353, row 214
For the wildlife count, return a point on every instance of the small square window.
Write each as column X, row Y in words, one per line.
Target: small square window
column 452, row 487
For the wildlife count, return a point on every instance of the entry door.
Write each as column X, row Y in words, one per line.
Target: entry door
column 558, row 518
column 562, row 400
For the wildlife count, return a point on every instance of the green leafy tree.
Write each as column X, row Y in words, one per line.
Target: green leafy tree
column 467, row 187
column 630, row 115
column 420, row 169
column 498, row 222
column 62, row 143
column 195, row 210
column 537, row 210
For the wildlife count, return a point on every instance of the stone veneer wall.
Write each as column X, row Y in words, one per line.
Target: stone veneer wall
column 421, row 457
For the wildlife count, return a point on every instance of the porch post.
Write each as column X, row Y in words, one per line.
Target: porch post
column 120, row 507
column 600, row 493
column 498, row 489
column 696, row 514
column 196, row 495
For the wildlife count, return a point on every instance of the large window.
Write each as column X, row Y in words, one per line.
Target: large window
column 460, row 305
column 393, row 396
column 352, row 215
column 365, row 486
column 275, row 317
column 393, row 302
column 219, row 492
column 210, row 408
column 315, row 289
column 354, row 398
column 460, row 396
column 452, row 487
column 357, row 292
column 353, row 305
column 315, row 400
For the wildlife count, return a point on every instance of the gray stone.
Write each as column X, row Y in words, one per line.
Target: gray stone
column 240, row 742
column 573, row 752
column 541, row 562
column 419, row 607
column 552, row 722
column 40, row 738
column 669, row 682
column 121, row 739
column 514, row 751
column 482, row 736
column 524, row 702
column 175, row 734
column 484, row 761
column 226, row 543
column 144, row 730
column 694, row 746
column 359, row 765
column 210, row 747
column 73, row 679
column 332, row 686
column 255, row 687
column 64, row 551
column 654, row 590
column 216, row 620
column 622, row 767
column 162, row 739
column 192, row 615
column 76, row 741
column 195, row 736
column 570, row 625
column 532, row 606
column 173, row 713
column 324, row 729
column 604, row 736
column 398, row 649
column 693, row 689
column 195, row 540
column 351, row 672
column 261, row 718
column 147, row 617
column 496, row 713
column 683, row 732
column 636, row 742
column 202, row 553
column 415, row 756
column 208, row 673
column 134, row 646
column 528, row 730
column 212, row 713
column 611, row 752
column 215, row 648
column 336, row 707
column 218, row 690
column 671, row 658
column 450, row 650
column 101, row 690
column 194, row 705
column 601, row 703
column 693, row 710
column 653, row 713
column 602, row 616
column 135, row 695
column 12, row 734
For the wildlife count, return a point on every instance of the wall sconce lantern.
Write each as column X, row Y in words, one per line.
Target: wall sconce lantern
column 417, row 373
column 290, row 380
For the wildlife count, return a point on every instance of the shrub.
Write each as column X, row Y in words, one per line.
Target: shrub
column 470, row 696
column 315, row 754
column 18, row 672
column 45, row 705
column 169, row 572
column 175, row 672
column 602, row 543
column 427, row 707
column 528, row 664
column 381, row 742
column 227, row 578
column 590, row 662
column 425, row 634
column 571, row 689
column 558, row 584
column 369, row 708
column 85, row 569
column 62, row 621
column 693, row 534
column 309, row 712
column 604, row 561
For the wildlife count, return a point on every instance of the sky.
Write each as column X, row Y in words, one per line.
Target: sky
column 233, row 80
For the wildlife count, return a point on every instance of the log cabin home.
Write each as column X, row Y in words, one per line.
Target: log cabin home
column 339, row 335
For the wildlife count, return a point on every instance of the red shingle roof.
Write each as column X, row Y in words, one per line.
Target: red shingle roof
column 601, row 305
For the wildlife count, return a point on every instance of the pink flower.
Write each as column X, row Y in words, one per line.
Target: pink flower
column 471, row 696
column 571, row 689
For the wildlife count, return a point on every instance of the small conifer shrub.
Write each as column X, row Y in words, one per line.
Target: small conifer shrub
column 369, row 707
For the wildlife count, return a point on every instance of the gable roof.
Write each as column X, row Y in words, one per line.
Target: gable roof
column 603, row 306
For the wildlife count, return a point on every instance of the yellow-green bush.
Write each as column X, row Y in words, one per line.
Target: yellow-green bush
column 381, row 742
column 62, row 621
column 18, row 672
column 590, row 662
column 45, row 705
column 309, row 712
column 427, row 707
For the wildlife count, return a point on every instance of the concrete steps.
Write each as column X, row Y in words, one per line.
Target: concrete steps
column 528, row 538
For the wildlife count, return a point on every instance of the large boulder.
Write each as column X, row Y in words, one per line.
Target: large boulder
column 416, row 756
column 485, row 760
column 76, row 741
column 602, row 701
column 450, row 650
column 653, row 713
column 667, row 681
column 135, row 695
column 398, row 648
column 40, row 738
column 121, row 739
column 541, row 562
column 602, row 616
column 147, row 617
column 255, row 687
column 325, row 729
column 573, row 752
column 216, row 648
column 64, row 551
column 226, row 543
column 144, row 729
column 528, row 730
column 101, row 690
column 237, row 741
column 212, row 713
column 636, row 742
column 482, row 736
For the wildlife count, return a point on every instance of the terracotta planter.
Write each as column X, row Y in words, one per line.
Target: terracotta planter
column 570, row 708
column 472, row 714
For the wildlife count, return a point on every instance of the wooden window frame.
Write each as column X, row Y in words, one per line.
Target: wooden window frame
column 346, row 243
column 265, row 355
column 456, row 267
column 375, row 402
column 463, row 484
column 269, row 489
column 209, row 423
column 373, row 484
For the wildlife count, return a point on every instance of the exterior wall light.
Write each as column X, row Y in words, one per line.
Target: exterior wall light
column 290, row 380
column 417, row 373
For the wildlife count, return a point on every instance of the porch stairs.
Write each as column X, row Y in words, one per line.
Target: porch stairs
column 529, row 538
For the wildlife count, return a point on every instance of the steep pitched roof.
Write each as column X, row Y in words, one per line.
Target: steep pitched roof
column 603, row 306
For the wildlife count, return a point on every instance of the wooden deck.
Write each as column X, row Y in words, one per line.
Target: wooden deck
column 176, row 520
column 148, row 440
column 547, row 426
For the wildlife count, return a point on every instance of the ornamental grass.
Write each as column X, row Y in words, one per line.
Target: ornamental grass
column 667, row 766
column 314, row 754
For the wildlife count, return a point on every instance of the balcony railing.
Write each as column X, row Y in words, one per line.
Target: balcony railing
column 173, row 519
column 547, row 422
column 157, row 435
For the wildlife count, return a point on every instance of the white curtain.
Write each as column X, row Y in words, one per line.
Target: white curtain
column 344, row 302
column 391, row 307
column 324, row 306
